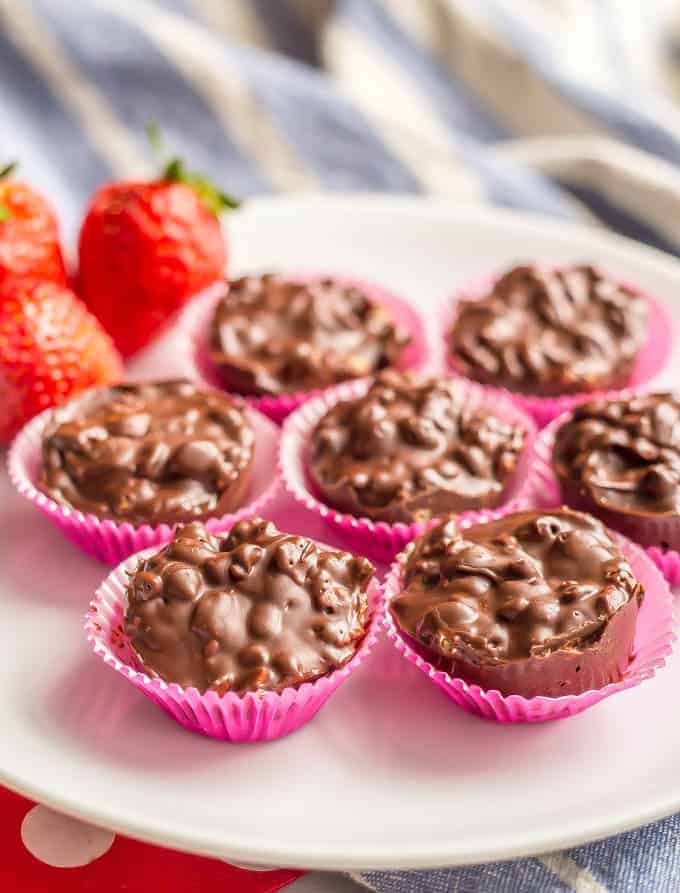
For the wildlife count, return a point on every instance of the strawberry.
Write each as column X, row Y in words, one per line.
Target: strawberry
column 51, row 347
column 147, row 247
column 29, row 233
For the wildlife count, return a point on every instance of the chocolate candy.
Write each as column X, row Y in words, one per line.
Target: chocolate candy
column 271, row 335
column 256, row 609
column 411, row 449
column 622, row 456
column 550, row 332
column 159, row 452
column 535, row 603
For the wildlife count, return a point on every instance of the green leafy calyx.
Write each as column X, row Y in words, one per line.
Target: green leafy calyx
column 214, row 199
column 8, row 169
column 175, row 171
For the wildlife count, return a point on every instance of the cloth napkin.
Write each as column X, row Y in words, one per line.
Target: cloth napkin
column 565, row 107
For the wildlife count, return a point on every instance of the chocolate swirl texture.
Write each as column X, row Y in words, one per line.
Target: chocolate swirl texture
column 535, row 603
column 622, row 455
column 255, row 610
column 155, row 452
column 271, row 335
column 411, row 449
column 550, row 331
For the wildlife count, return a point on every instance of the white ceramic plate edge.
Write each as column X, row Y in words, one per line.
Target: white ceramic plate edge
column 386, row 860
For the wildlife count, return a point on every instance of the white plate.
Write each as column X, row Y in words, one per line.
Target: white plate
column 390, row 774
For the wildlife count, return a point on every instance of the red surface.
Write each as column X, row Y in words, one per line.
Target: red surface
column 128, row 866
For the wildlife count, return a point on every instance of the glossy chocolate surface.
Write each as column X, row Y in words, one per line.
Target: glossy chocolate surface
column 523, row 604
column 411, row 449
column 272, row 335
column 623, row 455
column 153, row 452
column 550, row 331
column 254, row 610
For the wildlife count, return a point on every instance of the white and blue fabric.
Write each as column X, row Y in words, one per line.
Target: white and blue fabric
column 565, row 107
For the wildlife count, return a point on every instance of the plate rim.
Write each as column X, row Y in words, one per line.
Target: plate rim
column 447, row 206
column 382, row 860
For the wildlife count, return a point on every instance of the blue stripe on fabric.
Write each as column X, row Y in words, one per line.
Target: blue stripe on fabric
column 40, row 132
column 326, row 130
column 641, row 861
column 496, row 877
column 184, row 6
column 140, row 84
column 619, row 219
column 507, row 185
column 286, row 31
column 458, row 108
column 625, row 119
column 512, row 186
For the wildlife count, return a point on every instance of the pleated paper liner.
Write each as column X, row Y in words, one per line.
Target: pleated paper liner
column 112, row 541
column 378, row 539
column 660, row 536
column 652, row 645
column 196, row 318
column 650, row 361
column 255, row 716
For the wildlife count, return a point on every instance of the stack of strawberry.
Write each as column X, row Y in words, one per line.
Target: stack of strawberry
column 145, row 248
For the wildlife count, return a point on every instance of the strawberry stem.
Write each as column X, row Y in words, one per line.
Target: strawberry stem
column 175, row 171
column 8, row 169
column 5, row 171
column 153, row 135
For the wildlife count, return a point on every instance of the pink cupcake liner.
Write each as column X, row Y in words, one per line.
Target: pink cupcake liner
column 543, row 488
column 253, row 716
column 649, row 363
column 112, row 541
column 668, row 562
column 195, row 323
column 653, row 643
column 378, row 539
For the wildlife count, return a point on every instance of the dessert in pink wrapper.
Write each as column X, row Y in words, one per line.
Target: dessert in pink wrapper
column 619, row 458
column 284, row 339
column 116, row 469
column 242, row 637
column 378, row 459
column 529, row 617
column 550, row 337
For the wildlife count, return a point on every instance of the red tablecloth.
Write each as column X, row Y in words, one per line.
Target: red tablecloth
column 126, row 866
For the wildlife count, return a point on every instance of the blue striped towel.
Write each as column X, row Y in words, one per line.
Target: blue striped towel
column 560, row 106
